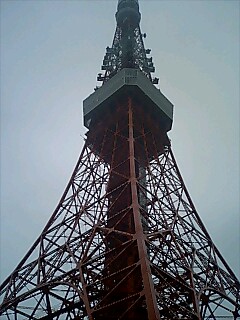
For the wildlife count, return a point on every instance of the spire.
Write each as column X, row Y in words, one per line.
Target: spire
column 127, row 49
column 128, row 15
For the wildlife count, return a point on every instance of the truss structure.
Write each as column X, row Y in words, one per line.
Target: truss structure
column 117, row 57
column 127, row 50
column 125, row 241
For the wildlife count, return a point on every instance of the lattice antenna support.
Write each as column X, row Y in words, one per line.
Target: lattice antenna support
column 125, row 241
column 127, row 49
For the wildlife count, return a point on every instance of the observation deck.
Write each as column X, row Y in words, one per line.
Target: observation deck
column 128, row 82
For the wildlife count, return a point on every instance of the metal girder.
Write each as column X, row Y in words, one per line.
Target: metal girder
column 125, row 241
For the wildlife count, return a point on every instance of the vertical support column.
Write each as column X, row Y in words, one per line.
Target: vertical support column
column 148, row 287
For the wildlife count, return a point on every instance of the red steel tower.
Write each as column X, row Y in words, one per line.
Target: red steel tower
column 125, row 241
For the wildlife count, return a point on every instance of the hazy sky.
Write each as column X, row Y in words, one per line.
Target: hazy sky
column 51, row 52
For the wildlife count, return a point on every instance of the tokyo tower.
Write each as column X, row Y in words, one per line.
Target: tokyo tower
column 125, row 240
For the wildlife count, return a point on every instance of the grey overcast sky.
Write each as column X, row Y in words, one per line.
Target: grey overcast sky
column 51, row 52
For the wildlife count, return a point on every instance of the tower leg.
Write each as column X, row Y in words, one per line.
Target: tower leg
column 125, row 241
column 148, row 288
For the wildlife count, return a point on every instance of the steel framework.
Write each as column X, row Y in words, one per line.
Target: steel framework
column 125, row 241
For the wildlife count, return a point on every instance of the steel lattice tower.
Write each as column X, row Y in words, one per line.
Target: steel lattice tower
column 125, row 241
